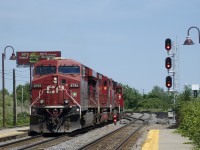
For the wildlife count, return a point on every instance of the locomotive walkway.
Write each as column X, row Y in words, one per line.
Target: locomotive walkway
column 166, row 139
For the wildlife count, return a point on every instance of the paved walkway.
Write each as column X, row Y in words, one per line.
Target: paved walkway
column 13, row 131
column 166, row 139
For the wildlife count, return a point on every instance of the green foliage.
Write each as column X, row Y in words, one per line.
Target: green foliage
column 150, row 103
column 131, row 96
column 188, row 115
column 5, row 91
column 189, row 120
column 25, row 89
column 156, row 99
column 23, row 118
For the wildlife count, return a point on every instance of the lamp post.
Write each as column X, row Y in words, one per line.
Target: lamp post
column 13, row 57
column 188, row 40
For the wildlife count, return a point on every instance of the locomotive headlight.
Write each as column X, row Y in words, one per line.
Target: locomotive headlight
column 52, row 91
column 66, row 101
column 55, row 80
column 41, row 101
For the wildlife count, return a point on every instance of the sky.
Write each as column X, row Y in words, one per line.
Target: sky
column 123, row 40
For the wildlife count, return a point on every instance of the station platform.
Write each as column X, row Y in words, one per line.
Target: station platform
column 166, row 139
column 9, row 133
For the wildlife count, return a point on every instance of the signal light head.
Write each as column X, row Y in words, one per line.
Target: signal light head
column 168, row 82
column 168, row 44
column 168, row 62
column 115, row 119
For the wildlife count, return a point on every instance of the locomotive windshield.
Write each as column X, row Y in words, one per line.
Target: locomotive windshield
column 69, row 69
column 119, row 90
column 43, row 70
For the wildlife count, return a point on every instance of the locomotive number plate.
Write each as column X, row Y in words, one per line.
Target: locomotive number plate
column 74, row 85
column 37, row 85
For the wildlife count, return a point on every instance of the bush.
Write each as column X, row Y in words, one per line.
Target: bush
column 23, row 118
column 189, row 120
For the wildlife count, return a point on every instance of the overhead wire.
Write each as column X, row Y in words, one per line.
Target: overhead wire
column 7, row 78
column 11, row 79
column 17, row 74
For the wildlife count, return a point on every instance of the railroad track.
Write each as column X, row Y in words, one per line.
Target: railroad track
column 19, row 143
column 118, row 139
column 36, row 142
column 42, row 142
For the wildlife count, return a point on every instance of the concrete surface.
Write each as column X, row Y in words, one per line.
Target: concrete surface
column 166, row 139
column 169, row 140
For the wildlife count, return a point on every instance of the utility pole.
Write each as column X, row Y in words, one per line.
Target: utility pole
column 22, row 99
column 3, row 90
column 14, row 100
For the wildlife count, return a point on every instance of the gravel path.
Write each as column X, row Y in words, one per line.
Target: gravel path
column 81, row 140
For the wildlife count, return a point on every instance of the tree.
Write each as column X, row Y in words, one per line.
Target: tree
column 26, row 93
column 156, row 99
column 5, row 91
column 131, row 97
column 186, row 96
column 159, row 93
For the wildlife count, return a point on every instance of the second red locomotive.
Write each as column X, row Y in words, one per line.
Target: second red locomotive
column 67, row 95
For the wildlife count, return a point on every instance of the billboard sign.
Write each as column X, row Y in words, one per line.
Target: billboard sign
column 25, row 59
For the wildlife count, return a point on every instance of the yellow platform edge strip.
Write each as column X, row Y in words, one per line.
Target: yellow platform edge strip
column 151, row 142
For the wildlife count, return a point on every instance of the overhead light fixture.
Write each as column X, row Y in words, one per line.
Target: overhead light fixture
column 188, row 41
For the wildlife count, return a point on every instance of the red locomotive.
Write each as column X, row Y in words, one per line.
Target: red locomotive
column 66, row 96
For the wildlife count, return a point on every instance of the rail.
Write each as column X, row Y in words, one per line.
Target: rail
column 110, row 139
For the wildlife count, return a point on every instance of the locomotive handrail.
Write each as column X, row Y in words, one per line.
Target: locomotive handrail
column 74, row 101
column 97, row 99
column 72, row 98
column 36, row 100
column 93, row 101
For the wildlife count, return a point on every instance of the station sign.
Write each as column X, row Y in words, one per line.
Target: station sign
column 27, row 58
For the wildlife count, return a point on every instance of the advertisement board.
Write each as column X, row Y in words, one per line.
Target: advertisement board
column 27, row 58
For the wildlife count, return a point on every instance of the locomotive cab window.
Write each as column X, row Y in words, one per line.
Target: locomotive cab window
column 69, row 69
column 119, row 90
column 44, row 70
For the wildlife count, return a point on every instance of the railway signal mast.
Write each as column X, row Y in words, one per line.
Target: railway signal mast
column 171, row 64
column 168, row 63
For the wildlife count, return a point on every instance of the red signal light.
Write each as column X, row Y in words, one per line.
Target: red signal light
column 115, row 119
column 168, row 82
column 168, row 47
column 168, row 44
column 168, row 62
